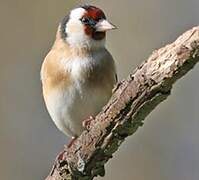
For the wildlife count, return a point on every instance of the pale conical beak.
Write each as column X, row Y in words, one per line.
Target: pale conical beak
column 104, row 25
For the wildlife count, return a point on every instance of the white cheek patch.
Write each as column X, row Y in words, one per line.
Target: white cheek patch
column 77, row 13
column 74, row 24
column 76, row 36
column 75, row 29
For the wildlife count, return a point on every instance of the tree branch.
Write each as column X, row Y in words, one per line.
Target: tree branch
column 132, row 100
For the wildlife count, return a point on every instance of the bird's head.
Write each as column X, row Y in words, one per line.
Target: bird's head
column 85, row 27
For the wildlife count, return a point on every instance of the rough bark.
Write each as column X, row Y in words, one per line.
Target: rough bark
column 132, row 100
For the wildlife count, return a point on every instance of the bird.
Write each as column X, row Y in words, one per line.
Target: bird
column 78, row 73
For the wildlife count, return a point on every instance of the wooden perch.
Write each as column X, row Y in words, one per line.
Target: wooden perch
column 132, row 100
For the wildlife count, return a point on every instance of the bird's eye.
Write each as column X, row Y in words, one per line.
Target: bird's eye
column 88, row 21
column 85, row 20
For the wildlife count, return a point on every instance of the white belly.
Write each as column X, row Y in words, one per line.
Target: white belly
column 70, row 107
column 83, row 97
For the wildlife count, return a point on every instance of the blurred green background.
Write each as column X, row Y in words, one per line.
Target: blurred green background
column 166, row 147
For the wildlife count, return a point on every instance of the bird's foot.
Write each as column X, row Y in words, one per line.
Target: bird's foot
column 87, row 122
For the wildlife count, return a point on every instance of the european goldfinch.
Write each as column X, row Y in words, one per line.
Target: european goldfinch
column 78, row 74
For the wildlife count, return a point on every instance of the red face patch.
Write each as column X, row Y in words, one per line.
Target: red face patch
column 95, row 14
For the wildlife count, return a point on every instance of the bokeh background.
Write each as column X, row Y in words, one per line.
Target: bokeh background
column 166, row 147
